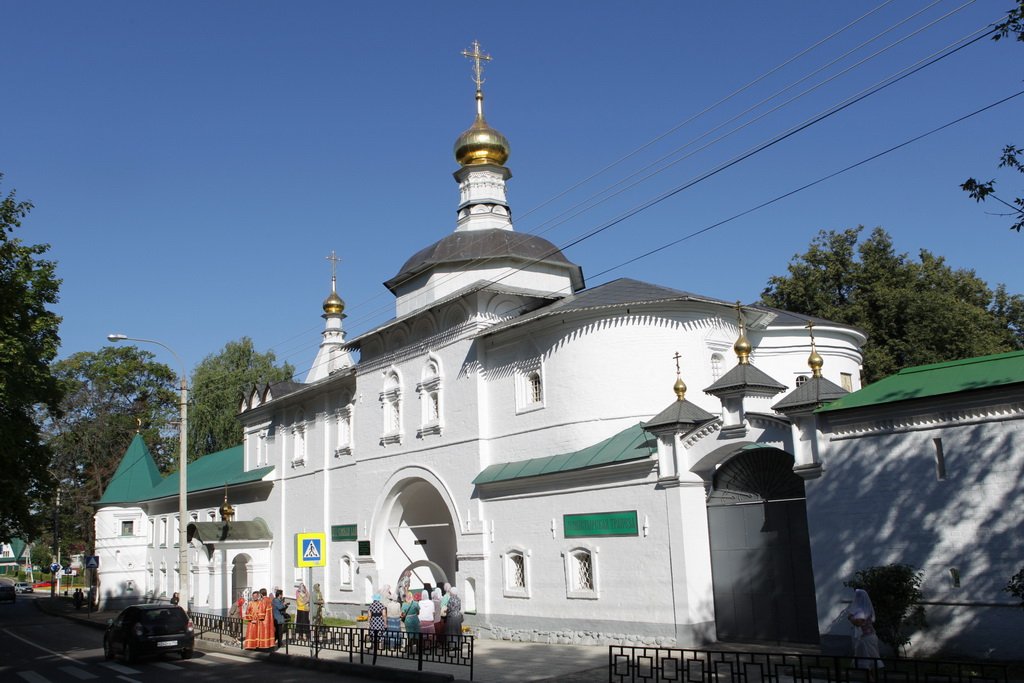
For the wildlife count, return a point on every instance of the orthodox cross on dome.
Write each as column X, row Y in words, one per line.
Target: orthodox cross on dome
column 335, row 260
column 677, row 357
column 739, row 314
column 478, row 58
column 680, row 386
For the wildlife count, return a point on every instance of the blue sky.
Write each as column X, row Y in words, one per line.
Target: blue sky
column 193, row 163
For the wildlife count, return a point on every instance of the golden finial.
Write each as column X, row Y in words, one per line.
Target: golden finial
column 680, row 386
column 742, row 346
column 138, row 425
column 814, row 360
column 478, row 59
column 333, row 304
column 227, row 513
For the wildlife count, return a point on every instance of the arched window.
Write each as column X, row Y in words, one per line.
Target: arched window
column 581, row 573
column 345, row 573
column 299, row 440
column 516, row 577
column 716, row 366
column 391, row 404
column 530, row 387
column 469, row 596
column 344, row 430
column 429, row 391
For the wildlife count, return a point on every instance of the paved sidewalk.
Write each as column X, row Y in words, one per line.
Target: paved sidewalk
column 494, row 661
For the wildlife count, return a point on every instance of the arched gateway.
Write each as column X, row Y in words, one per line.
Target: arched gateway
column 416, row 533
column 760, row 550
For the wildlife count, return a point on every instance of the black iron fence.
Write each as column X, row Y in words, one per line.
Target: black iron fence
column 657, row 664
column 361, row 644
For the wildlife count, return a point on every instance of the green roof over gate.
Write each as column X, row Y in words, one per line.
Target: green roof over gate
column 137, row 478
column 630, row 444
column 937, row 379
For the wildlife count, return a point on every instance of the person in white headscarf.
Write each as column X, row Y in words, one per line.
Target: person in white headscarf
column 865, row 641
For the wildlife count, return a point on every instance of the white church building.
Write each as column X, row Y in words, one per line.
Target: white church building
column 518, row 435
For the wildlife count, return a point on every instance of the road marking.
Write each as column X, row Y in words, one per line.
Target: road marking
column 33, row 677
column 130, row 680
column 203, row 661
column 231, row 658
column 114, row 666
column 80, row 674
column 29, row 642
column 167, row 666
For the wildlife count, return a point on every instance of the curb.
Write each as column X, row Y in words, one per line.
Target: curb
column 380, row 673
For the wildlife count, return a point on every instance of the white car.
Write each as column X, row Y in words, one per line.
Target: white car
column 23, row 587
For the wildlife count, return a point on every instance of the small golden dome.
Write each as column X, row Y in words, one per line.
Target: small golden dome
column 742, row 348
column 680, row 388
column 227, row 512
column 481, row 144
column 815, row 362
column 333, row 305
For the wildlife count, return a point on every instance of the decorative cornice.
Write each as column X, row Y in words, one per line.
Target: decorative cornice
column 909, row 423
column 699, row 433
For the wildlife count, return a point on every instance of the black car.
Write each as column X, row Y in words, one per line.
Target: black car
column 7, row 592
column 147, row 630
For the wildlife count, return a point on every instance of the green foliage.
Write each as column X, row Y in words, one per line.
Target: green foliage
column 1015, row 586
column 1013, row 25
column 218, row 384
column 28, row 343
column 108, row 395
column 914, row 312
column 895, row 591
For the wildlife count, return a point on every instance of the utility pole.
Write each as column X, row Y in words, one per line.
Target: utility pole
column 56, row 544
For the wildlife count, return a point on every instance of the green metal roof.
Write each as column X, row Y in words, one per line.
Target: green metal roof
column 219, row 532
column 223, row 468
column 937, row 379
column 135, row 476
column 630, row 444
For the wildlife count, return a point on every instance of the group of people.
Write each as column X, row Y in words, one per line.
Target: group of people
column 436, row 613
column 263, row 619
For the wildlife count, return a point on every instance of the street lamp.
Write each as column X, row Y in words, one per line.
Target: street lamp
column 183, row 577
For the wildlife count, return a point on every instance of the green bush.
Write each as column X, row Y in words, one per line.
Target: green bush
column 895, row 591
column 1015, row 586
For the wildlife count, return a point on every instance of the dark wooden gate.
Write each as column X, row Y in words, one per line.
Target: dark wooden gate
column 760, row 551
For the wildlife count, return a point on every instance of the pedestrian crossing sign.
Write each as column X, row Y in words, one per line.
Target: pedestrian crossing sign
column 309, row 549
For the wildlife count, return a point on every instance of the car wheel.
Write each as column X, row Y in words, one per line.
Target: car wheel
column 108, row 651
column 186, row 653
column 130, row 655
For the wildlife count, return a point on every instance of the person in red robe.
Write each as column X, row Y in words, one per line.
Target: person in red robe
column 260, row 623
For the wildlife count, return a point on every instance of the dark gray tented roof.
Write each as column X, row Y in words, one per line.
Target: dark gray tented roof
column 814, row 392
column 494, row 243
column 621, row 292
column 680, row 412
column 745, row 376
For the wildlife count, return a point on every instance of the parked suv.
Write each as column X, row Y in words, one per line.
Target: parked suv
column 147, row 630
column 23, row 587
column 7, row 592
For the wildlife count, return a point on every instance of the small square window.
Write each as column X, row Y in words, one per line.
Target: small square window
column 127, row 528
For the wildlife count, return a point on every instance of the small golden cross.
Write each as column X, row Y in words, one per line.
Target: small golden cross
column 334, row 263
column 677, row 357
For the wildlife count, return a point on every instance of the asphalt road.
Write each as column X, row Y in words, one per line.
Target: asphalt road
column 38, row 648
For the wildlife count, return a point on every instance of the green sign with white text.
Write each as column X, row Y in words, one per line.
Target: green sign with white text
column 601, row 524
column 344, row 532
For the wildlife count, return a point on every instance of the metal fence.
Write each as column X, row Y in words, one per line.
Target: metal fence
column 361, row 643
column 657, row 664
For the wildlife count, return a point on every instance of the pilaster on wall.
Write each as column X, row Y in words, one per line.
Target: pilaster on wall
column 690, row 551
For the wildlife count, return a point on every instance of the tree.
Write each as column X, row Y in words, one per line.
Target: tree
column 978, row 191
column 109, row 395
column 28, row 343
column 914, row 312
column 895, row 592
column 1015, row 586
column 218, row 384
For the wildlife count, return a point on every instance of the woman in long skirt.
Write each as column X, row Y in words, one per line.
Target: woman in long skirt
column 865, row 640
column 411, row 617
column 394, row 609
column 453, row 619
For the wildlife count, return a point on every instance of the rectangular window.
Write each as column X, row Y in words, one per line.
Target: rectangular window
column 940, row 460
column 846, row 380
column 163, row 532
column 127, row 528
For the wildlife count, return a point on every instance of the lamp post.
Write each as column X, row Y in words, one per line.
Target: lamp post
column 183, row 576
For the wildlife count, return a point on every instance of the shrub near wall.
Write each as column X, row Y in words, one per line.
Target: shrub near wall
column 895, row 592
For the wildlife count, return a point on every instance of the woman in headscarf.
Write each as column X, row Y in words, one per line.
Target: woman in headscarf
column 453, row 614
column 438, row 624
column 302, row 611
column 426, row 604
column 378, row 620
column 394, row 609
column 865, row 640
column 411, row 617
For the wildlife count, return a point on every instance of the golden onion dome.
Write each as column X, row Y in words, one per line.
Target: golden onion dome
column 742, row 348
column 815, row 362
column 679, row 388
column 333, row 305
column 481, row 144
